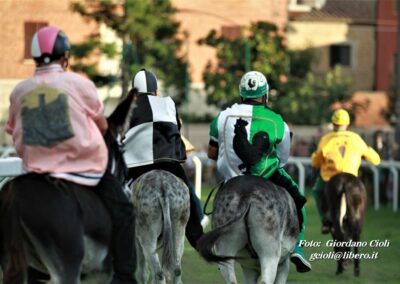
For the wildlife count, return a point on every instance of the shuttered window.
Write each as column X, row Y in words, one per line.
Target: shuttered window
column 29, row 30
column 340, row 54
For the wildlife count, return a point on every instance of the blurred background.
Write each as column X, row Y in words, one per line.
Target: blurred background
column 318, row 55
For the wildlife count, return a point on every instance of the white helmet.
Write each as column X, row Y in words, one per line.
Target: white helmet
column 253, row 85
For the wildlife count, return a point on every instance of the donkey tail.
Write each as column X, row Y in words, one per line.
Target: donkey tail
column 355, row 210
column 207, row 242
column 12, row 236
column 168, row 255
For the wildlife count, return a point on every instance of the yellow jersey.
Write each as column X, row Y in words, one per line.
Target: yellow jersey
column 342, row 151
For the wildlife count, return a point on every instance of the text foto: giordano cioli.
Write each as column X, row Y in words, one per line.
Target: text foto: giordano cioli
column 352, row 244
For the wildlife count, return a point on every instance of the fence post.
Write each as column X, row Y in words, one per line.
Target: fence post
column 198, row 173
column 395, row 174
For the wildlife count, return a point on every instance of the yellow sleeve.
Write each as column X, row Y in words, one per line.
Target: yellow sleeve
column 372, row 156
column 317, row 159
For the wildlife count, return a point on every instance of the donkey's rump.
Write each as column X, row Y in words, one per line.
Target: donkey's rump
column 54, row 226
column 162, row 208
column 256, row 220
column 345, row 210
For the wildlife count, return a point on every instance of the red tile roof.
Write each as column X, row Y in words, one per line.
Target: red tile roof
column 355, row 11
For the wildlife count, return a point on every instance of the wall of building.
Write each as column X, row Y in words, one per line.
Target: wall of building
column 14, row 14
column 199, row 17
column 386, row 37
column 321, row 35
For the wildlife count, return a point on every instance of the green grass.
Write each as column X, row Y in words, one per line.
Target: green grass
column 379, row 225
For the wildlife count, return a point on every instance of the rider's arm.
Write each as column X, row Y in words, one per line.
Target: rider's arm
column 92, row 104
column 102, row 124
column 212, row 152
column 283, row 148
column 372, row 156
column 317, row 158
column 12, row 112
column 368, row 153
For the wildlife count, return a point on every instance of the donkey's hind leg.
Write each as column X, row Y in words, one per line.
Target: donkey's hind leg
column 62, row 256
column 250, row 275
column 142, row 270
column 228, row 271
column 179, row 242
column 229, row 245
column 268, row 249
column 148, row 243
column 283, row 272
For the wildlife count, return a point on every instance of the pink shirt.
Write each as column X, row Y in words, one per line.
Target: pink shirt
column 52, row 122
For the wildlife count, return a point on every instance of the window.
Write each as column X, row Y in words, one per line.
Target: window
column 340, row 54
column 230, row 32
column 30, row 29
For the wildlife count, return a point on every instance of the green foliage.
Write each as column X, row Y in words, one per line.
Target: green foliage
column 149, row 35
column 295, row 91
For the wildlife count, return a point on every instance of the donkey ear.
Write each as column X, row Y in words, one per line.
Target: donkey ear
column 121, row 113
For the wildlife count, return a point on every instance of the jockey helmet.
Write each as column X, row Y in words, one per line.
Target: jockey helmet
column 49, row 44
column 145, row 82
column 253, row 85
column 341, row 117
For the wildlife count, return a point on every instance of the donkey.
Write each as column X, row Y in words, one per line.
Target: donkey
column 255, row 223
column 162, row 208
column 345, row 210
column 57, row 227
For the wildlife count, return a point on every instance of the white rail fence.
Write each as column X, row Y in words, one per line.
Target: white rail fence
column 12, row 166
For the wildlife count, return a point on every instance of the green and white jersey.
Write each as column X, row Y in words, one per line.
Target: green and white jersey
column 259, row 118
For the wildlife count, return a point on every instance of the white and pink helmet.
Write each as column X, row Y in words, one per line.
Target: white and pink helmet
column 49, row 44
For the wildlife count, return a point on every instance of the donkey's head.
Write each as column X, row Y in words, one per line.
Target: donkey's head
column 117, row 124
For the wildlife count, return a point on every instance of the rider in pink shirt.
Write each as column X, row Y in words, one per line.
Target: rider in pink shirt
column 56, row 120
column 66, row 118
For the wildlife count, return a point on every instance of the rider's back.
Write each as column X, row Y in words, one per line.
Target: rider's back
column 260, row 119
column 52, row 121
column 342, row 151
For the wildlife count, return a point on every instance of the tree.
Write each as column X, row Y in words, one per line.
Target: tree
column 149, row 35
column 294, row 89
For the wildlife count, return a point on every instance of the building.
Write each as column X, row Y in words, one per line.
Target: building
column 340, row 32
column 19, row 20
column 386, row 38
column 199, row 17
column 358, row 34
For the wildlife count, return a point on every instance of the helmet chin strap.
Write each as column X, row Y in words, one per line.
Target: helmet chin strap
column 65, row 62
column 265, row 100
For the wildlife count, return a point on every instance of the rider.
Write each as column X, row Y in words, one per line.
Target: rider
column 262, row 152
column 56, row 121
column 153, row 141
column 339, row 151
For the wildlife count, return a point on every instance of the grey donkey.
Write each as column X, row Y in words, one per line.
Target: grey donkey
column 255, row 223
column 162, row 208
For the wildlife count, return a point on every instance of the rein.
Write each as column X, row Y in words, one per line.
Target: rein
column 218, row 186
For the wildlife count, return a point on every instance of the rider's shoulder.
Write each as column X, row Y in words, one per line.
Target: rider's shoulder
column 77, row 77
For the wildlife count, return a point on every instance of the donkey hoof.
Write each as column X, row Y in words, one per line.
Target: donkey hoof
column 338, row 272
column 159, row 276
column 177, row 272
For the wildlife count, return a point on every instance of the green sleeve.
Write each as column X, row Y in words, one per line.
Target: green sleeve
column 214, row 129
